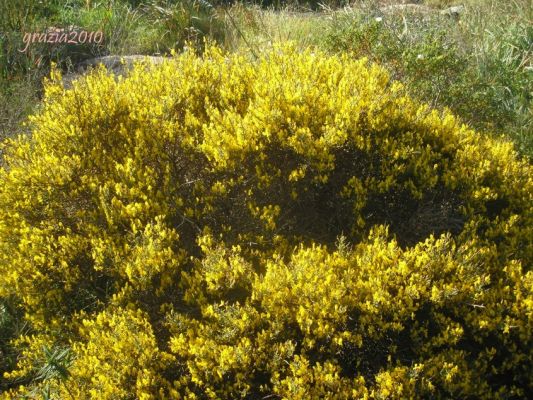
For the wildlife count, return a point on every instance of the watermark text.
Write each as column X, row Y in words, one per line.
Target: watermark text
column 57, row 35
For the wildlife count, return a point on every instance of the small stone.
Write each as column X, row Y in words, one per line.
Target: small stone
column 454, row 11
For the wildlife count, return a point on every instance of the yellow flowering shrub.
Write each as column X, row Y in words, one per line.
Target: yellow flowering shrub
column 290, row 226
column 131, row 366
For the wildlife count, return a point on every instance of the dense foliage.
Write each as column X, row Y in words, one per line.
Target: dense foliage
column 292, row 226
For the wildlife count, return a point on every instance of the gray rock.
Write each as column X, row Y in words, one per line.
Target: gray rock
column 409, row 8
column 118, row 65
column 454, row 11
column 414, row 8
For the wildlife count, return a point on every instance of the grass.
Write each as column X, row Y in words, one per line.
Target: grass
column 18, row 99
column 254, row 28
